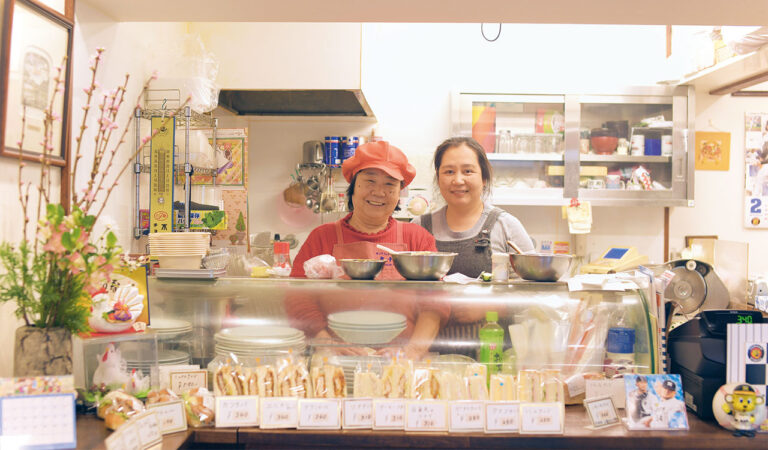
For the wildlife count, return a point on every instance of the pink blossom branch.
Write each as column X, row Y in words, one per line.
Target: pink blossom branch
column 23, row 199
column 89, row 92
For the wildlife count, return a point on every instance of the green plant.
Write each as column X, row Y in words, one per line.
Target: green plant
column 53, row 276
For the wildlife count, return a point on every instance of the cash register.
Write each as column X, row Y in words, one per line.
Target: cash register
column 616, row 259
column 698, row 352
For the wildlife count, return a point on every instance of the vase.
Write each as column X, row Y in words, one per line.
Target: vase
column 42, row 351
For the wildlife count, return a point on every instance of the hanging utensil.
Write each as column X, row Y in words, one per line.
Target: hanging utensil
column 388, row 250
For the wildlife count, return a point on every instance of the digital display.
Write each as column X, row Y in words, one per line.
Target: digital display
column 616, row 253
column 743, row 319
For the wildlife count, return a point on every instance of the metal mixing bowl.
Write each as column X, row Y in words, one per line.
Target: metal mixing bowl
column 362, row 269
column 423, row 265
column 540, row 267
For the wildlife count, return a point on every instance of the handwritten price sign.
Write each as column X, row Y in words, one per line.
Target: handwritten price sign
column 186, row 380
column 170, row 416
column 357, row 413
column 279, row 412
column 388, row 414
column 502, row 417
column 319, row 414
column 466, row 416
column 237, row 411
column 541, row 418
column 426, row 416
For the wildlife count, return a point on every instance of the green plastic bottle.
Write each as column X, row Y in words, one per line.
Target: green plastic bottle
column 491, row 343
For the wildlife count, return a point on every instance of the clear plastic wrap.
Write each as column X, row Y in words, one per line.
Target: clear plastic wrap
column 426, row 383
column 476, row 379
column 322, row 266
column 117, row 407
column 161, row 396
column 328, row 381
column 198, row 404
column 192, row 70
column 367, row 382
column 293, row 378
column 503, row 387
column 397, row 378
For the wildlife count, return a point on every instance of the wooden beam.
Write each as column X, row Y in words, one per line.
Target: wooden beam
column 749, row 94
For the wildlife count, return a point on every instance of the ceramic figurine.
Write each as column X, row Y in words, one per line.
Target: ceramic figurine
column 116, row 311
column 740, row 408
column 112, row 369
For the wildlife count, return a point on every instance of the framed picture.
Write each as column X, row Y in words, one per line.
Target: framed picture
column 37, row 40
column 655, row 402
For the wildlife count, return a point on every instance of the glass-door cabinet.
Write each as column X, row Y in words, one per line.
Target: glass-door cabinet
column 628, row 147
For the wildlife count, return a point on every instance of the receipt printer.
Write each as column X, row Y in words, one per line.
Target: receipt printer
column 697, row 351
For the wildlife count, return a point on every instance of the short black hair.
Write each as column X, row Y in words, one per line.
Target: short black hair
column 351, row 190
column 486, row 171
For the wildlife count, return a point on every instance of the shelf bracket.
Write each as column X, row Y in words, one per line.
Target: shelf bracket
column 744, row 83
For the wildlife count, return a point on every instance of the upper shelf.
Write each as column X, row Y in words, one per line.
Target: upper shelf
column 732, row 75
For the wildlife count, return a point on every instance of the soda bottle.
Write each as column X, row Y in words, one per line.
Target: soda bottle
column 491, row 343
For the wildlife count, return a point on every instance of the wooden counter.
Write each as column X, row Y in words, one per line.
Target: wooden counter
column 91, row 434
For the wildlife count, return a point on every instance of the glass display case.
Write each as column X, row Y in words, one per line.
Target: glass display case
column 369, row 327
column 632, row 146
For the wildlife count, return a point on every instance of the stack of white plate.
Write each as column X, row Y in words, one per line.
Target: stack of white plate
column 164, row 358
column 169, row 328
column 367, row 327
column 179, row 250
column 257, row 341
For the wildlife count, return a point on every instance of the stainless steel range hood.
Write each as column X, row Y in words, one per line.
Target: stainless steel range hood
column 305, row 102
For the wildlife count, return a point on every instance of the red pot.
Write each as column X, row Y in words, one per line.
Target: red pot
column 603, row 140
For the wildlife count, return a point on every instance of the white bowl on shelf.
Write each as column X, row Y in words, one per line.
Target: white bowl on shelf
column 380, row 336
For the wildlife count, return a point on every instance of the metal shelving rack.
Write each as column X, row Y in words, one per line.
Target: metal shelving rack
column 188, row 120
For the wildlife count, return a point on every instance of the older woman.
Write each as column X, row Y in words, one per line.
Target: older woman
column 376, row 174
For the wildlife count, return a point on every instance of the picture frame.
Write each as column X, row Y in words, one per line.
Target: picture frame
column 36, row 39
column 655, row 402
column 602, row 412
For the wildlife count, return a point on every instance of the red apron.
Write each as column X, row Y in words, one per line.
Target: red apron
column 368, row 250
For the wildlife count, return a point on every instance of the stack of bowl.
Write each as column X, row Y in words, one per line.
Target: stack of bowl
column 259, row 341
column 179, row 250
column 170, row 328
column 367, row 327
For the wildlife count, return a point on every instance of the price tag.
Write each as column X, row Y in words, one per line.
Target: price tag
column 388, row 414
column 279, row 412
column 147, row 427
column 130, row 438
column 607, row 388
column 38, row 421
column 429, row 415
column 601, row 411
column 183, row 381
column 541, row 418
column 237, row 411
column 466, row 416
column 115, row 441
column 502, row 417
column 357, row 413
column 319, row 414
column 170, row 415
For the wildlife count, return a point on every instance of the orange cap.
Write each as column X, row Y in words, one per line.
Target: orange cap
column 379, row 155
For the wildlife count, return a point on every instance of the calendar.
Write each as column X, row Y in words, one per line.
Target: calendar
column 38, row 421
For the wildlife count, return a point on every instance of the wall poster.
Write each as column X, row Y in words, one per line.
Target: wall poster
column 230, row 156
column 713, row 150
column 756, row 171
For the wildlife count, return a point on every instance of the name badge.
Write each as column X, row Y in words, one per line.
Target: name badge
column 426, row 416
column 357, row 413
column 541, row 418
column 466, row 416
column 279, row 412
column 170, row 415
column 237, row 411
column 184, row 381
column 319, row 414
column 502, row 417
column 388, row 414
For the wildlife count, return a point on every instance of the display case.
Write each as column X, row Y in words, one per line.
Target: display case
column 632, row 146
column 363, row 326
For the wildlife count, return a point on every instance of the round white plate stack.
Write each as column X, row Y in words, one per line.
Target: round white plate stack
column 179, row 250
column 257, row 341
column 164, row 358
column 169, row 328
column 367, row 327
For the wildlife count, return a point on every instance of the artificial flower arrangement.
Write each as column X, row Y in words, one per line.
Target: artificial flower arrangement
column 54, row 275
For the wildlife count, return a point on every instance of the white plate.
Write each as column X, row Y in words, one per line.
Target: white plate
column 163, row 325
column 258, row 332
column 366, row 318
column 368, row 336
column 367, row 327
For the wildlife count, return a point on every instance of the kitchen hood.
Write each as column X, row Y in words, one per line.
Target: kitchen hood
column 295, row 102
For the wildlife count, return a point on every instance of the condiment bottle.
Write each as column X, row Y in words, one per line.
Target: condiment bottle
column 282, row 259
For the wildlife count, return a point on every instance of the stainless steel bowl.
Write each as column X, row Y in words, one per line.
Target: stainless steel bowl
column 540, row 267
column 423, row 265
column 362, row 269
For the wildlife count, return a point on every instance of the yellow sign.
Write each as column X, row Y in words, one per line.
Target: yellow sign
column 161, row 176
column 713, row 150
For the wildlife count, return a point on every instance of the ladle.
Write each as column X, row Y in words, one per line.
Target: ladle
column 389, row 250
column 515, row 248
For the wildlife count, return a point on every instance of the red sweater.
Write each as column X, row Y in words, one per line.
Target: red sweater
column 322, row 239
column 308, row 309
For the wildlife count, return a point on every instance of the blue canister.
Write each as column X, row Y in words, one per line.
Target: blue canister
column 327, row 150
column 652, row 146
column 335, row 161
column 620, row 340
column 349, row 147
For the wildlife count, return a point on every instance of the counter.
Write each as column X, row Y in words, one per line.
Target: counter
column 91, row 434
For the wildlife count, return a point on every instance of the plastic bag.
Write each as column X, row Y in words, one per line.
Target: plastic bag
column 476, row 376
column 328, row 381
column 397, row 378
column 503, row 387
column 161, row 396
column 322, row 266
column 193, row 70
column 367, row 382
column 117, row 407
column 198, row 404
column 243, row 265
column 293, row 378
column 426, row 384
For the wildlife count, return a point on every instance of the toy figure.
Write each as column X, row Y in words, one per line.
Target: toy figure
column 742, row 405
column 112, row 369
